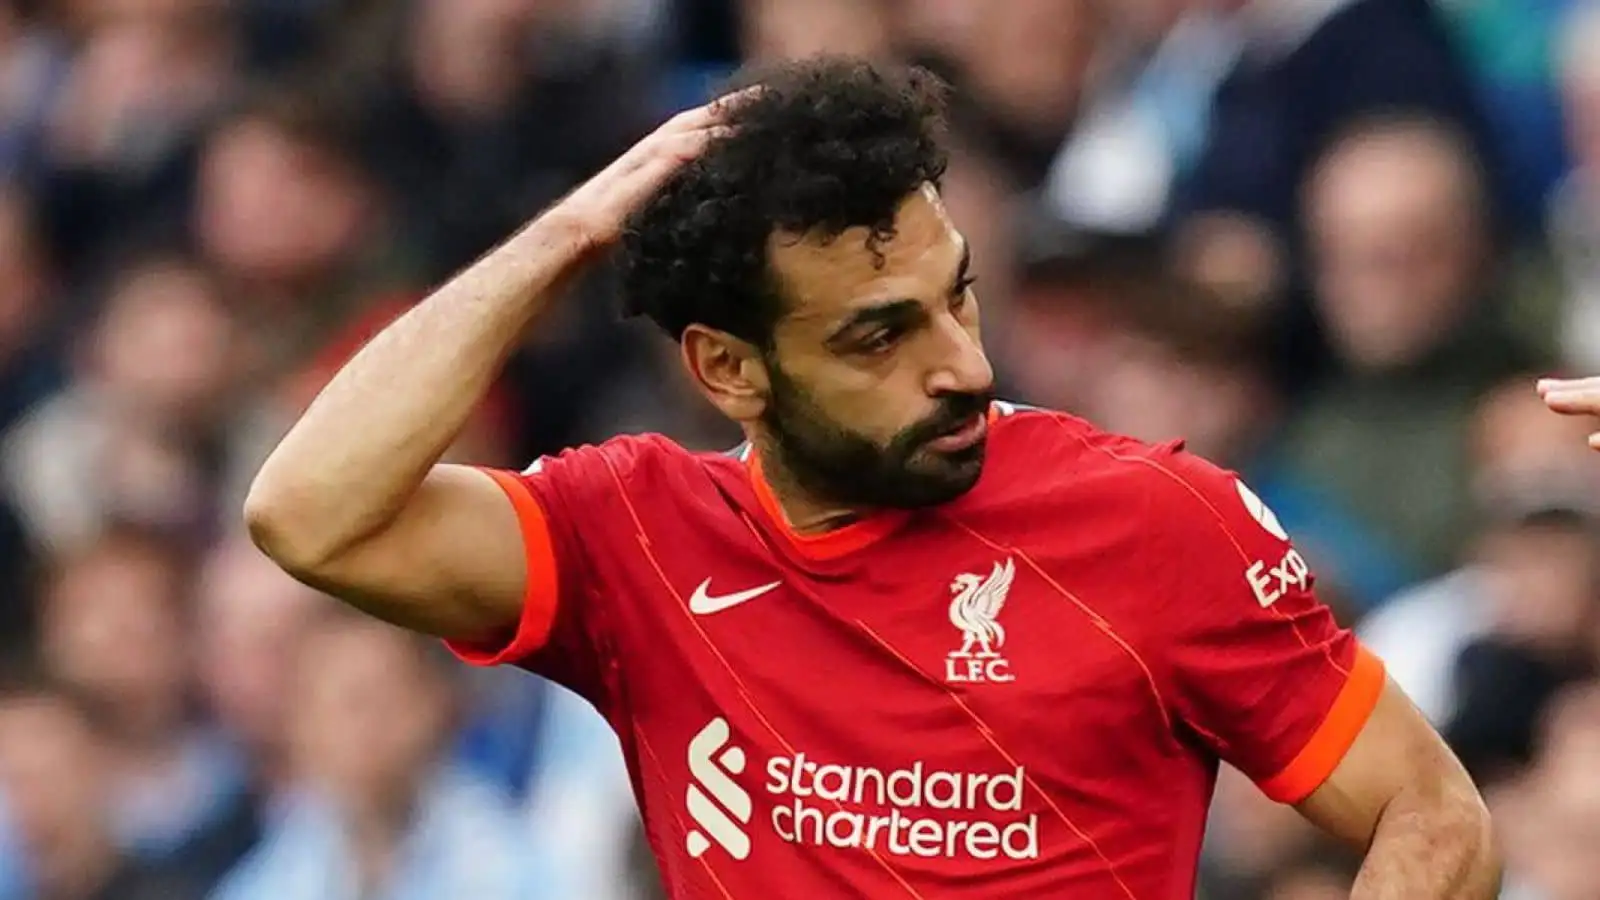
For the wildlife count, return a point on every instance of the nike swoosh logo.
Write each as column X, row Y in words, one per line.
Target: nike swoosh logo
column 702, row 603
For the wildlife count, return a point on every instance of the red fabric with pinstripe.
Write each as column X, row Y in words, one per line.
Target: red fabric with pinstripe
column 1024, row 693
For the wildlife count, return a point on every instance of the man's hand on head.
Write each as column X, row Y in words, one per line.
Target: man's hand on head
column 598, row 208
column 1573, row 397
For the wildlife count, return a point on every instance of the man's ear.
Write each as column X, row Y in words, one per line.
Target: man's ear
column 729, row 371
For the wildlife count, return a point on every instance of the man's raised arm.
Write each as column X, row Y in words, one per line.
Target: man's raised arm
column 354, row 500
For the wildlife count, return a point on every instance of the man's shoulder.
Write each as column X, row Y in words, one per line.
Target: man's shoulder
column 622, row 454
column 1039, row 443
column 1047, row 456
column 641, row 467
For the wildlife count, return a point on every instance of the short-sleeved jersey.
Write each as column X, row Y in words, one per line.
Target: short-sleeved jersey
column 1022, row 693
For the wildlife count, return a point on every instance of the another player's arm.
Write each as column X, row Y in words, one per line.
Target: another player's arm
column 1575, row 397
column 354, row 500
column 1402, row 796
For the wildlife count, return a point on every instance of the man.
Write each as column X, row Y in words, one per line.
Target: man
column 373, row 807
column 907, row 641
column 55, row 777
column 1399, row 255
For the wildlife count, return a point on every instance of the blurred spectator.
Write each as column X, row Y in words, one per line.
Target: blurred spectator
column 1022, row 67
column 29, row 370
column 375, row 812
column 1510, row 47
column 1064, row 313
column 250, row 618
column 276, row 37
column 1219, row 108
column 140, row 82
column 1402, row 268
column 456, row 126
column 779, row 29
column 1574, row 223
column 1186, row 366
column 16, row 574
column 28, row 366
column 138, row 435
column 293, row 224
column 1525, row 463
column 580, row 810
column 32, row 66
column 541, row 743
column 54, row 773
column 655, row 395
column 1303, row 73
column 1250, row 840
column 1550, row 820
column 114, row 630
column 1542, row 581
column 1143, row 125
column 121, row 137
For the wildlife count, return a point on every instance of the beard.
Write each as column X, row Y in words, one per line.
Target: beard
column 839, row 465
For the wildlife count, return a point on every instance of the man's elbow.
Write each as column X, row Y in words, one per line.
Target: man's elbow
column 280, row 527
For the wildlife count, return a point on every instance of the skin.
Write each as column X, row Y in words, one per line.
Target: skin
column 1396, row 234
column 1401, row 796
column 54, row 771
column 869, row 362
column 1573, row 397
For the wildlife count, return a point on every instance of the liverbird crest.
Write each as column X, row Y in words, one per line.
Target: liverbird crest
column 975, row 609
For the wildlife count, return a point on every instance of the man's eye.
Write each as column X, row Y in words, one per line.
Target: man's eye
column 879, row 340
column 963, row 293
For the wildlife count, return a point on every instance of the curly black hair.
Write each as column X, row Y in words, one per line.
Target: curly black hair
column 826, row 144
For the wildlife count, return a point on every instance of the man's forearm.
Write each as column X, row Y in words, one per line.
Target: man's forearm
column 1431, row 848
column 364, row 446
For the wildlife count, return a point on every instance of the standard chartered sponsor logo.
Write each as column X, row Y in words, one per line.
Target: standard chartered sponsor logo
column 911, row 811
column 916, row 811
column 711, row 759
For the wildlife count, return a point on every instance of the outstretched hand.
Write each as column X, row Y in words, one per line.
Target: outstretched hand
column 1573, row 397
column 599, row 207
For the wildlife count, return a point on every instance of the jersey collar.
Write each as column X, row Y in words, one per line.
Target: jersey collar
column 838, row 542
column 831, row 544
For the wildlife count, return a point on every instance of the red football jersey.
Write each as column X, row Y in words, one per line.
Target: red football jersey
column 1023, row 693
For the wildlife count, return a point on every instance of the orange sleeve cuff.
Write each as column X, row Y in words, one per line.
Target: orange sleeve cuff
column 1332, row 739
column 543, row 589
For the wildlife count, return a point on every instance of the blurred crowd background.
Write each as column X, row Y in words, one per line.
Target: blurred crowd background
column 1329, row 242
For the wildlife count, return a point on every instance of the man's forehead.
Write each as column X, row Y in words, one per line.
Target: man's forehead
column 823, row 277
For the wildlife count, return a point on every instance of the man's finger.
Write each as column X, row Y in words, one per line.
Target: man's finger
column 688, row 120
column 707, row 114
column 697, row 117
column 728, row 102
column 661, row 142
column 679, row 146
column 667, row 154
